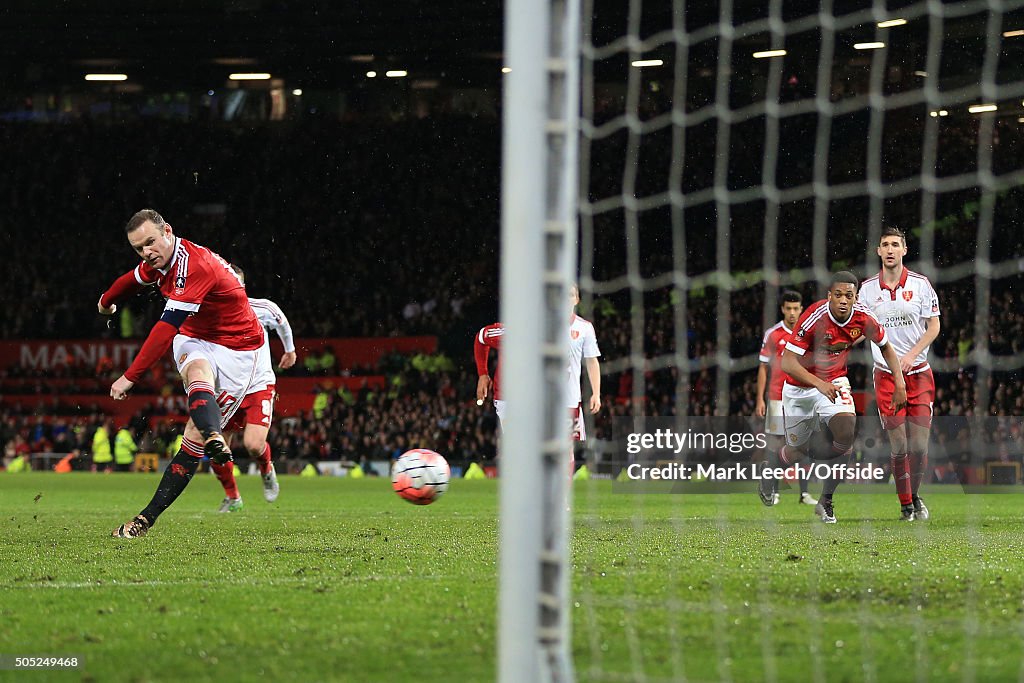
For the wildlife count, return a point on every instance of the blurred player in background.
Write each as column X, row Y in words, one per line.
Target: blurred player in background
column 216, row 340
column 256, row 412
column 817, row 392
column 583, row 350
column 907, row 306
column 489, row 337
column 772, row 346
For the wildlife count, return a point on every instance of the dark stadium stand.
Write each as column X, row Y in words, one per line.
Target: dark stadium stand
column 389, row 229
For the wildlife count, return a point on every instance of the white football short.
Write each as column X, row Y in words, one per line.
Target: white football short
column 236, row 373
column 806, row 410
column 773, row 422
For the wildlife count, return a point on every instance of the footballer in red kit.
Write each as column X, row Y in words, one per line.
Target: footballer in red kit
column 216, row 340
column 818, row 393
column 906, row 303
column 770, row 374
column 489, row 337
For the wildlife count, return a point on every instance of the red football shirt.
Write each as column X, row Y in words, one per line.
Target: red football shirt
column 823, row 343
column 772, row 346
column 488, row 338
column 202, row 283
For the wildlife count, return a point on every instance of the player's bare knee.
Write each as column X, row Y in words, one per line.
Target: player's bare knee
column 795, row 454
column 897, row 440
column 199, row 370
column 918, row 438
column 843, row 428
column 254, row 440
column 255, row 450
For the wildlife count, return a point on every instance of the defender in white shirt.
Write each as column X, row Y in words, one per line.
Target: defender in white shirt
column 907, row 306
column 255, row 413
column 583, row 349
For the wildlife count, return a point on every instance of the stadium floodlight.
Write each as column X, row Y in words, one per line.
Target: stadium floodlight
column 505, row 70
column 765, row 54
column 297, row 92
column 249, row 76
column 889, row 23
column 1016, row 33
column 396, row 73
column 922, row 74
column 868, row 46
column 641, row 63
column 106, row 77
column 982, row 108
column 371, row 74
column 938, row 112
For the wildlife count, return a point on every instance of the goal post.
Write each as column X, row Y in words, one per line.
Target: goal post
column 540, row 184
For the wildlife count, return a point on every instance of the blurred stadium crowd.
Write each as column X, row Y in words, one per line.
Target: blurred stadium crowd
column 391, row 229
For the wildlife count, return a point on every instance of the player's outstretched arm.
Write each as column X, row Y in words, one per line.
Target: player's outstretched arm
column 283, row 328
column 122, row 288
column 899, row 395
column 792, row 367
column 155, row 346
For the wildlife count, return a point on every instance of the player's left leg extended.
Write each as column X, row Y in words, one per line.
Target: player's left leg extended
column 176, row 477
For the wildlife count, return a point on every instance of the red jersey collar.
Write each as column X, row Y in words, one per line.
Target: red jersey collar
column 901, row 283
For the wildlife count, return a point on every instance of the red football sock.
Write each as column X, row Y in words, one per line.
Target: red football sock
column 226, row 476
column 918, row 466
column 263, row 462
column 900, row 463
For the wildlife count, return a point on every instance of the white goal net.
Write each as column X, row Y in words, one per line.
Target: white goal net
column 733, row 150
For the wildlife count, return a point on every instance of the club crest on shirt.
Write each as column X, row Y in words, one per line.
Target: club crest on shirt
column 854, row 333
column 908, row 295
column 179, row 284
column 182, row 359
column 575, row 334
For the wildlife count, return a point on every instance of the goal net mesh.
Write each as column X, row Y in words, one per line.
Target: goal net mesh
column 731, row 150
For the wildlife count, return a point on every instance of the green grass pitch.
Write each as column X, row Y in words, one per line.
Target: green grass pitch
column 343, row 581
